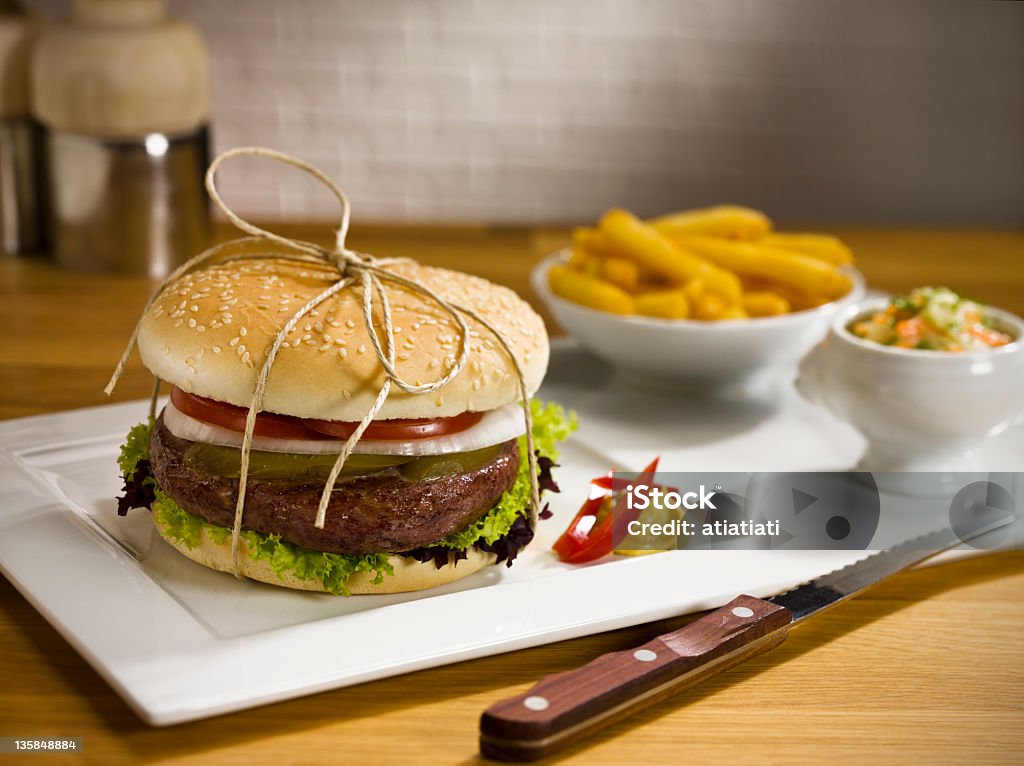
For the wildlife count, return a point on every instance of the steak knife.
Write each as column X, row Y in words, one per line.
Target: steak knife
column 565, row 707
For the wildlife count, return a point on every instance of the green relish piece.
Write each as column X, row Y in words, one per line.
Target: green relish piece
column 227, row 461
column 435, row 466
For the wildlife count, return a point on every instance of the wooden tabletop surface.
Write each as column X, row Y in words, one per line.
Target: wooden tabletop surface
column 927, row 668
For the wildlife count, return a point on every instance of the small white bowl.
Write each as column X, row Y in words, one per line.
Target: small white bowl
column 920, row 410
column 694, row 353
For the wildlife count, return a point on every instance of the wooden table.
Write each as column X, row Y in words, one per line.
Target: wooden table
column 928, row 668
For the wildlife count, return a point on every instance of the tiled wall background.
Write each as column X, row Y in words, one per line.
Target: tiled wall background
column 895, row 111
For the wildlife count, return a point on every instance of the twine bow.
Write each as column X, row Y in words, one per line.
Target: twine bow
column 352, row 266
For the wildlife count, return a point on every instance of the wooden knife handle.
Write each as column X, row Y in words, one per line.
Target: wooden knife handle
column 565, row 707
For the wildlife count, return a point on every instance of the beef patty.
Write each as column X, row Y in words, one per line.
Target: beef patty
column 379, row 513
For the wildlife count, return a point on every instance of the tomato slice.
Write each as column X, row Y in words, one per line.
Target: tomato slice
column 233, row 417
column 399, row 429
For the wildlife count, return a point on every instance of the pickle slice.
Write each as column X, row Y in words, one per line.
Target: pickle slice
column 227, row 461
column 436, row 466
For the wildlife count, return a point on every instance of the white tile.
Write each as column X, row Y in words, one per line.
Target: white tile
column 537, row 110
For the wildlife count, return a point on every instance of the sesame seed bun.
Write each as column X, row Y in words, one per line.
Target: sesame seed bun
column 210, row 332
column 410, row 575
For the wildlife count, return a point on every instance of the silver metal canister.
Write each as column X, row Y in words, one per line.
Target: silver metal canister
column 130, row 206
column 20, row 195
column 122, row 94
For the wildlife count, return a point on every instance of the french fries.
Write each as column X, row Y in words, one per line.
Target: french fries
column 710, row 306
column 625, row 233
column 716, row 263
column 821, row 246
column 590, row 291
column 753, row 259
column 729, row 221
column 765, row 304
column 667, row 304
column 620, row 272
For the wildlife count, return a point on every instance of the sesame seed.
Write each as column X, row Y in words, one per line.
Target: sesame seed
column 342, row 352
column 191, row 322
column 242, row 331
column 324, row 346
column 362, row 349
column 193, row 308
column 190, row 361
column 245, row 357
column 476, row 384
column 178, row 323
column 349, row 323
column 403, row 357
column 233, row 342
column 216, row 349
column 346, row 394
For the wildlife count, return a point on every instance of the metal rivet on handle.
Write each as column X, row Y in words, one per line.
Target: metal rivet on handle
column 536, row 703
column 743, row 611
column 645, row 655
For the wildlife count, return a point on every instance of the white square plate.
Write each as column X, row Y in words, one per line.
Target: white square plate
column 181, row 642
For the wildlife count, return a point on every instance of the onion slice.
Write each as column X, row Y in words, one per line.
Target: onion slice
column 496, row 427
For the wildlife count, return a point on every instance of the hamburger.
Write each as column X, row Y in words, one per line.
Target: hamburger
column 438, row 486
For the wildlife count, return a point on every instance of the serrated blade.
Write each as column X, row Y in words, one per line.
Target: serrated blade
column 828, row 590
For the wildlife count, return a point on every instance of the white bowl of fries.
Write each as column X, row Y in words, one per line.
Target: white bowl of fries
column 719, row 304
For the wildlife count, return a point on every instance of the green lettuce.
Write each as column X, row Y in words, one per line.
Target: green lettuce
column 135, row 448
column 551, row 425
column 331, row 570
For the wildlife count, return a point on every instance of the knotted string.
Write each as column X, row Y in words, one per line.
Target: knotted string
column 371, row 273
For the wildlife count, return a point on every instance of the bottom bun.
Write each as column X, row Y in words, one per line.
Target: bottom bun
column 410, row 575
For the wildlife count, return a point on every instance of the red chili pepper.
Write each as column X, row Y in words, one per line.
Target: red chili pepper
column 586, row 541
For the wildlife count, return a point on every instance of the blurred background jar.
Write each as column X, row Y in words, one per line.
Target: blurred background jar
column 20, row 197
column 122, row 95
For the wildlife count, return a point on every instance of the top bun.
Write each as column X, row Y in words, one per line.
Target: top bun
column 209, row 334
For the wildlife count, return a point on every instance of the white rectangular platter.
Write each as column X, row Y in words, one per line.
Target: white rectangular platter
column 180, row 642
